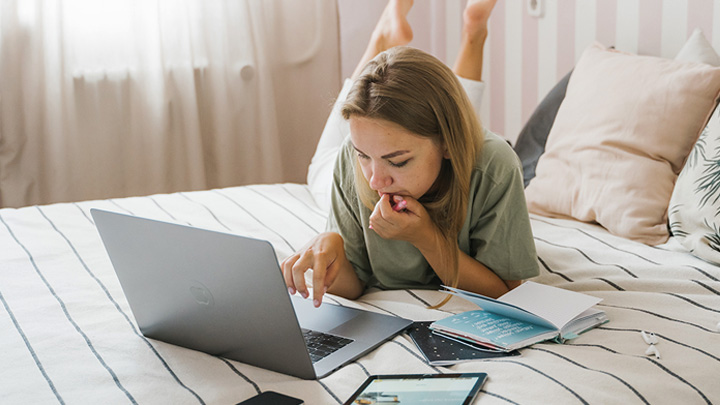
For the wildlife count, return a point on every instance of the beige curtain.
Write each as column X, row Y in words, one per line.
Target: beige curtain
column 110, row 98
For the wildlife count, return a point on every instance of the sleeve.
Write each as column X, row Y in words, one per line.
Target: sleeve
column 345, row 211
column 475, row 91
column 500, row 233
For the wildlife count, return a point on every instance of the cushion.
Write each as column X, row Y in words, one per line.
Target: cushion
column 698, row 49
column 320, row 171
column 620, row 138
column 531, row 141
column 694, row 211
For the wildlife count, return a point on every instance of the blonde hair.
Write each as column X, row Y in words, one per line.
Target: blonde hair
column 415, row 90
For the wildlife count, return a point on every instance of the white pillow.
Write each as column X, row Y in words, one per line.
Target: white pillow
column 694, row 210
column 320, row 172
column 698, row 49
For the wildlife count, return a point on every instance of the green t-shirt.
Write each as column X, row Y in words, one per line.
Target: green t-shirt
column 496, row 231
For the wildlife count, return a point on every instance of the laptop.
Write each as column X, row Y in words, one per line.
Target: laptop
column 224, row 295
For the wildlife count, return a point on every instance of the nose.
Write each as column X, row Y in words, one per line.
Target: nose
column 378, row 177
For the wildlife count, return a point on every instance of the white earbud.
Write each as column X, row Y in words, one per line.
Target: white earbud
column 652, row 350
column 649, row 338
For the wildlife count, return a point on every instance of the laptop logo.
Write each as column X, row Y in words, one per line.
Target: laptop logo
column 201, row 294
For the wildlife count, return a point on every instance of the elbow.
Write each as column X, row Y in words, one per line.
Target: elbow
column 511, row 284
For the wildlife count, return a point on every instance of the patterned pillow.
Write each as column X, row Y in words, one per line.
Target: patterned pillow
column 694, row 211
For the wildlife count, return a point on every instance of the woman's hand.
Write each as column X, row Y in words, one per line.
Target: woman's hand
column 325, row 255
column 405, row 219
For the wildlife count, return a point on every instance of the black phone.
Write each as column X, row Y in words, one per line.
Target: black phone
column 272, row 398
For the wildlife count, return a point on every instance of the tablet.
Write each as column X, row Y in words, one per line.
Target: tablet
column 450, row 389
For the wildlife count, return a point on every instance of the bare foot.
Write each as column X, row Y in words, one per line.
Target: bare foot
column 476, row 15
column 393, row 28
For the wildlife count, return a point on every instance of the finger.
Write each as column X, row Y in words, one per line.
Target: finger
column 381, row 209
column 319, row 272
column 298, row 272
column 286, row 268
column 410, row 205
column 384, row 206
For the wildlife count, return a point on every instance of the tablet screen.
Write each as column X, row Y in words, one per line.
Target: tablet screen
column 450, row 389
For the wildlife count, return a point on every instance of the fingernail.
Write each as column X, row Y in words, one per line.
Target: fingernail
column 370, row 226
column 304, row 294
column 316, row 303
column 291, row 291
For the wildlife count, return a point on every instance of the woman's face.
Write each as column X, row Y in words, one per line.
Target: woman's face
column 393, row 159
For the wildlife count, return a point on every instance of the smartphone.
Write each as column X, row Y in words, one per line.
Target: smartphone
column 272, row 398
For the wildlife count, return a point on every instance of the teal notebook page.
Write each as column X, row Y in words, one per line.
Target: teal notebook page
column 494, row 328
column 534, row 303
column 503, row 309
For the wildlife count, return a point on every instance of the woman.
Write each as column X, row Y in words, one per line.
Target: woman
column 422, row 196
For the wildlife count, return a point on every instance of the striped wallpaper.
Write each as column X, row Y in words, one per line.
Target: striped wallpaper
column 525, row 56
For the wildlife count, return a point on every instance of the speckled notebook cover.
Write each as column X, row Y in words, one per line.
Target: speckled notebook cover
column 442, row 351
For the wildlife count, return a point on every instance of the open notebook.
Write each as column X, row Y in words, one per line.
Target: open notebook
column 528, row 314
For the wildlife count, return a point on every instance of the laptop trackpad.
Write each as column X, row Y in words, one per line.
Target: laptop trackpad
column 322, row 319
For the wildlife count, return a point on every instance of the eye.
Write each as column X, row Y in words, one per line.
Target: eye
column 400, row 164
column 362, row 156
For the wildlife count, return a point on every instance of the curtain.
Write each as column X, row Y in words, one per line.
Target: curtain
column 111, row 98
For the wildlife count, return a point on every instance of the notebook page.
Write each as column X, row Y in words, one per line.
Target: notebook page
column 557, row 305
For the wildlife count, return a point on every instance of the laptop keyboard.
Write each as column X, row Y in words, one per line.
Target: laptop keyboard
column 320, row 345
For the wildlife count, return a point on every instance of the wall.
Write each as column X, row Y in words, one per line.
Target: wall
column 525, row 56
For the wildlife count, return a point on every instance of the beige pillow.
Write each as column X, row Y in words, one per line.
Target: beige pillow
column 619, row 140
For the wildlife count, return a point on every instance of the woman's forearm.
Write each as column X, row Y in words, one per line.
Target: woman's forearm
column 473, row 275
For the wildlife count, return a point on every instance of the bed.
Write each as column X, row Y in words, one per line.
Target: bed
column 67, row 334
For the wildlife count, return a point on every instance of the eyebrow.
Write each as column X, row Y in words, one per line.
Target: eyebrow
column 389, row 155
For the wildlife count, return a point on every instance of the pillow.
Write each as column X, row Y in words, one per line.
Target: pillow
column 320, row 171
column 694, row 211
column 698, row 49
column 531, row 141
column 619, row 140
column 695, row 203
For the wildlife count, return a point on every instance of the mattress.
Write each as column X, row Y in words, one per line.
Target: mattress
column 67, row 334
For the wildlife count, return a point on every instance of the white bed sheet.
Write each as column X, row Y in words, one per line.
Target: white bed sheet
column 67, row 334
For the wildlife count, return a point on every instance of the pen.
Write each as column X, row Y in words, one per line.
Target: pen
column 400, row 206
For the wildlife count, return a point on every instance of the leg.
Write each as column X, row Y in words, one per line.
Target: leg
column 470, row 58
column 392, row 29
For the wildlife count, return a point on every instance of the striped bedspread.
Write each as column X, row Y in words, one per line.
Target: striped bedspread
column 67, row 334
